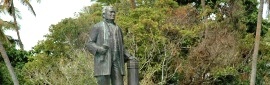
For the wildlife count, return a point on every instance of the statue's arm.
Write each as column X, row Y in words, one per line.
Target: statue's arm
column 91, row 45
column 127, row 56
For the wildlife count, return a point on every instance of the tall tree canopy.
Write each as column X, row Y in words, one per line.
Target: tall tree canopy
column 176, row 42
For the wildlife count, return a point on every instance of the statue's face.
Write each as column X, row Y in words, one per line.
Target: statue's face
column 109, row 14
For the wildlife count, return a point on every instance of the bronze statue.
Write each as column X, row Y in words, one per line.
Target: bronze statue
column 107, row 45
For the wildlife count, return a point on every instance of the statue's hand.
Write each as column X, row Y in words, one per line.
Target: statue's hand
column 103, row 49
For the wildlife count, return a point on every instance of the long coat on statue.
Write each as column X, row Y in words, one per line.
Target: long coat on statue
column 103, row 62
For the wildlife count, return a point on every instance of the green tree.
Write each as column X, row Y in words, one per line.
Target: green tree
column 107, row 2
column 61, row 58
column 167, row 37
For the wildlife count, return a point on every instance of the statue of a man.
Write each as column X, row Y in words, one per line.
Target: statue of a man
column 107, row 45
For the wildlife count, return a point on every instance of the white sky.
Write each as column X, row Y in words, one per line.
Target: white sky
column 48, row 12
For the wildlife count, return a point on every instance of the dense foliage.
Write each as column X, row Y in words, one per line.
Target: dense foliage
column 176, row 42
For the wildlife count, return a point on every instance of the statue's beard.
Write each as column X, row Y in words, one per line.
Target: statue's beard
column 110, row 21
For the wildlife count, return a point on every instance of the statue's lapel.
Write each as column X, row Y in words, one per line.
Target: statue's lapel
column 106, row 33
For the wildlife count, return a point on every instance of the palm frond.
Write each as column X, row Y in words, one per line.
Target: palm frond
column 11, row 40
column 27, row 3
column 5, row 25
column 17, row 13
column 38, row 1
column 8, row 26
column 9, row 11
column 6, row 3
column 1, row 9
column 3, row 37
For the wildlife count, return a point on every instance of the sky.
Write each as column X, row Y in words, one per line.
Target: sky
column 48, row 12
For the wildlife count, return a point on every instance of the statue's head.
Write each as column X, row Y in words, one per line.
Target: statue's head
column 108, row 12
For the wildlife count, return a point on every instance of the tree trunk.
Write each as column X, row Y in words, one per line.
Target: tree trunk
column 10, row 68
column 133, row 5
column 16, row 25
column 256, row 47
column 205, row 19
column 203, row 3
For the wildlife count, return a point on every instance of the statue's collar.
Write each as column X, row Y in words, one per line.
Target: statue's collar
column 109, row 21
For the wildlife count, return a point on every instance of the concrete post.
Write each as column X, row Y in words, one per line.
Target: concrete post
column 133, row 72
